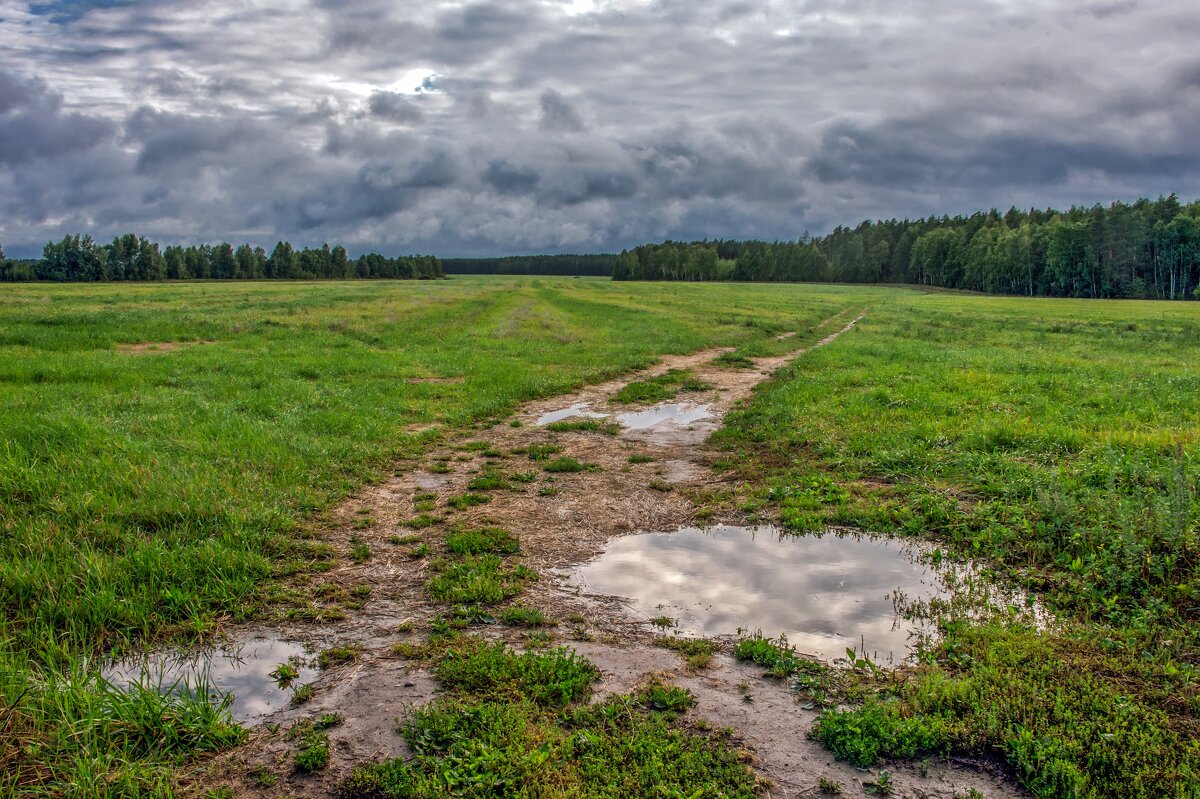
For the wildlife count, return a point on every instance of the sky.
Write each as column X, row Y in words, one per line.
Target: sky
column 462, row 128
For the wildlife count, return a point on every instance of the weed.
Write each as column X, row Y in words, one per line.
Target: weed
column 284, row 673
column 312, row 753
column 541, row 452
column 327, row 721
column 401, row 540
column 359, row 553
column 338, row 654
column 640, row 459
column 564, row 464
column 659, row 485
column 302, row 694
column 476, row 580
column 734, row 360
column 464, row 501
column 776, row 655
column 585, row 426
column 829, row 787
column 881, row 785
column 262, row 777
column 659, row 388
column 520, row 616
column 441, row 467
column 555, row 678
column 483, row 540
column 664, row 697
column 489, row 481
column 697, row 653
column 879, row 729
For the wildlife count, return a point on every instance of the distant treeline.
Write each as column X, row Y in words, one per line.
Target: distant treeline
column 1150, row 249
column 130, row 257
column 601, row 265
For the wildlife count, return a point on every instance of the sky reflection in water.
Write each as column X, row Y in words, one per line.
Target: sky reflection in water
column 826, row 593
column 243, row 670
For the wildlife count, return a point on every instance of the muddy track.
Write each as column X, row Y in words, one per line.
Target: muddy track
column 561, row 521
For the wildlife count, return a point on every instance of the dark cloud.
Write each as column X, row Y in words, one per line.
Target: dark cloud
column 558, row 115
column 34, row 126
column 394, row 106
column 534, row 125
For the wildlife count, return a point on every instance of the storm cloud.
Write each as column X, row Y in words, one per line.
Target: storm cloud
column 535, row 126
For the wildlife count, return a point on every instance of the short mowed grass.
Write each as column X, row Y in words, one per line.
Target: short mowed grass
column 1058, row 441
column 152, row 493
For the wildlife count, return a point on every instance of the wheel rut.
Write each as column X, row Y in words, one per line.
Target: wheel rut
column 654, row 477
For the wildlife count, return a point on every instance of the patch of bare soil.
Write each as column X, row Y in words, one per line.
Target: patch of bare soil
column 436, row 380
column 645, row 479
column 157, row 347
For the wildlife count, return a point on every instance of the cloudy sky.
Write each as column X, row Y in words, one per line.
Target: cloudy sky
column 465, row 128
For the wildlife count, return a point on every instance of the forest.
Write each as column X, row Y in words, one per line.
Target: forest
column 1149, row 249
column 78, row 258
column 600, row 265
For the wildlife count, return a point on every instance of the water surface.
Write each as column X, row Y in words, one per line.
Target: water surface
column 243, row 670
column 670, row 413
column 827, row 593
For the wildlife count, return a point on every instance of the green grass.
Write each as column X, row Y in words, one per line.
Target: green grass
column 475, row 580
column 1057, row 441
column 659, row 388
column 482, row 541
column 776, row 655
column 513, row 724
column 584, row 426
column 541, row 452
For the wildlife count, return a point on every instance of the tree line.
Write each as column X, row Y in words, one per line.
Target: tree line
column 1148, row 249
column 78, row 258
column 595, row 265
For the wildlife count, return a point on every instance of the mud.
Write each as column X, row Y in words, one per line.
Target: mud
column 561, row 520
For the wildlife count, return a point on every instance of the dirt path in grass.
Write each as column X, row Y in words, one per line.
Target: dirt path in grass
column 561, row 519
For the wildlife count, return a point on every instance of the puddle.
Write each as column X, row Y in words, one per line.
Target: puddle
column 243, row 670
column 579, row 409
column 826, row 593
column 674, row 413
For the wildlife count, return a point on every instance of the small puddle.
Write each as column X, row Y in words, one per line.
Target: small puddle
column 827, row 593
column 579, row 409
column 673, row 413
column 243, row 670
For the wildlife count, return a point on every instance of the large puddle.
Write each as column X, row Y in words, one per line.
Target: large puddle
column 827, row 593
column 673, row 413
column 579, row 409
column 245, row 671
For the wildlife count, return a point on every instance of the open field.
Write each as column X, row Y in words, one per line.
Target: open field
column 360, row 467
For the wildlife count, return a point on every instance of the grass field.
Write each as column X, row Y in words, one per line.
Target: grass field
column 162, row 446
column 165, row 450
column 1060, row 441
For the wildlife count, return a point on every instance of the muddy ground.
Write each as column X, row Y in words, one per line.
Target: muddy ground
column 561, row 521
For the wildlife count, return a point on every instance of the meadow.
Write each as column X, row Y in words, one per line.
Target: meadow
column 1057, row 441
column 166, row 450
